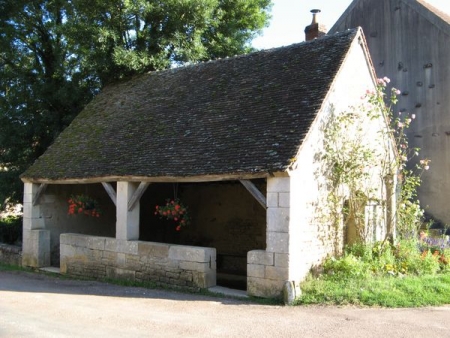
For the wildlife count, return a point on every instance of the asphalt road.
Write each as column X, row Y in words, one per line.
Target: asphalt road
column 37, row 305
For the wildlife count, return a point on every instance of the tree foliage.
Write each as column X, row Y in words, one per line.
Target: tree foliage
column 56, row 54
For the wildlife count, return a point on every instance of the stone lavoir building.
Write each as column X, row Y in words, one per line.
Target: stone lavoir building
column 239, row 141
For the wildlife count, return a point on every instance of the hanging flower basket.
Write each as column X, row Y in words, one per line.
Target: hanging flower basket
column 83, row 204
column 176, row 211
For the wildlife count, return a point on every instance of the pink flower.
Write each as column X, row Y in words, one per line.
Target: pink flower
column 400, row 124
column 386, row 79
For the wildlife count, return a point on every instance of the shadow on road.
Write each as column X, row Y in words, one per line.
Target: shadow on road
column 21, row 281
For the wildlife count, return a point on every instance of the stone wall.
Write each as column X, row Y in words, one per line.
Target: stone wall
column 267, row 270
column 163, row 264
column 10, row 254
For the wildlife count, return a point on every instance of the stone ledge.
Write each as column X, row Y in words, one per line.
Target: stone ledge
column 191, row 253
column 153, row 249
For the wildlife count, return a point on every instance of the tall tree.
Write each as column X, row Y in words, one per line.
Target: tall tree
column 41, row 87
column 56, row 54
column 126, row 37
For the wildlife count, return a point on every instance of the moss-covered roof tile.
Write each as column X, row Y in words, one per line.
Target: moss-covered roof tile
column 244, row 114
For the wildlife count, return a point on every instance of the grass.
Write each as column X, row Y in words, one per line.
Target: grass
column 405, row 275
column 7, row 267
column 410, row 291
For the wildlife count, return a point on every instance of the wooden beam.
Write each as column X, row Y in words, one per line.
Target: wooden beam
column 39, row 193
column 110, row 191
column 255, row 192
column 158, row 179
column 137, row 195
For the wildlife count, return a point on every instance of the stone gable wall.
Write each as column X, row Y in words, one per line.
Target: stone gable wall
column 300, row 234
column 163, row 264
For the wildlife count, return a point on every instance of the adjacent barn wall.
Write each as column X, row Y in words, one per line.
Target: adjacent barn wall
column 411, row 45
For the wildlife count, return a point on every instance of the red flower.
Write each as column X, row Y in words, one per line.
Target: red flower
column 178, row 228
column 82, row 204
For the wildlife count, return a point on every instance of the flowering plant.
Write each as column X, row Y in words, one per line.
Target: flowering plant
column 176, row 211
column 83, row 204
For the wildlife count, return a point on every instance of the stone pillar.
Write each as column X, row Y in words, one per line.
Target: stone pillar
column 127, row 226
column 36, row 240
column 268, row 270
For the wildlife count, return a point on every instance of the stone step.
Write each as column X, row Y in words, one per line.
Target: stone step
column 228, row 292
column 52, row 269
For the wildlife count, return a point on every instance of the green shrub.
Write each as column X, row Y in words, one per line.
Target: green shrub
column 382, row 258
column 348, row 266
column 11, row 229
column 425, row 263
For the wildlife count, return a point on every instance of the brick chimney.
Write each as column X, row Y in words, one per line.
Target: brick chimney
column 315, row 30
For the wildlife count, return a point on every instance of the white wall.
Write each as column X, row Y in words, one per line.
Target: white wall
column 312, row 235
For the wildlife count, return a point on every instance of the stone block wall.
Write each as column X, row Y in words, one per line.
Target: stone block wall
column 267, row 270
column 163, row 264
column 36, row 248
column 10, row 254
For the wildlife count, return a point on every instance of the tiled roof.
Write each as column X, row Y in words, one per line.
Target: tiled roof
column 247, row 114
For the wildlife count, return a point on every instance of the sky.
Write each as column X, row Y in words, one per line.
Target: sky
column 290, row 17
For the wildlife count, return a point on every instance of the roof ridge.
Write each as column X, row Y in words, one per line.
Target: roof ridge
column 231, row 58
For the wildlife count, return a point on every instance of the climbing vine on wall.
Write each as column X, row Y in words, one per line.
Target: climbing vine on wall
column 360, row 159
